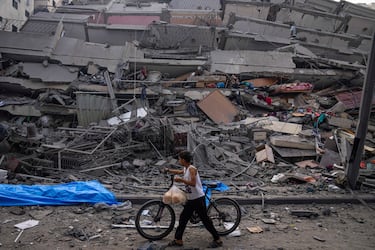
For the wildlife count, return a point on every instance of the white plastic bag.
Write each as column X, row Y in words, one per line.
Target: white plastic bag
column 174, row 196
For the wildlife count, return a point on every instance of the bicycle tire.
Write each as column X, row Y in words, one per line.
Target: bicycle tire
column 225, row 214
column 145, row 222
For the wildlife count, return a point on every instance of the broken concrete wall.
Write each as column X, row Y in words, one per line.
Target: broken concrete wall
column 247, row 9
column 234, row 62
column 18, row 84
column 165, row 36
column 195, row 17
column 331, row 40
column 303, row 16
column 327, row 22
column 51, row 73
column 23, row 46
column 336, row 7
column 71, row 51
column 117, row 35
column 361, row 25
column 235, row 41
column 312, row 19
column 341, row 45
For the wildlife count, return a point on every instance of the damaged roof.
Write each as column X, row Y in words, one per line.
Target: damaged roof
column 45, row 22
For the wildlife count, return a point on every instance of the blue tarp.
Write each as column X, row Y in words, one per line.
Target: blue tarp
column 60, row 194
column 221, row 187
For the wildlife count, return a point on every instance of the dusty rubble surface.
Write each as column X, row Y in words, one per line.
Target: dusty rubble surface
column 342, row 226
column 283, row 126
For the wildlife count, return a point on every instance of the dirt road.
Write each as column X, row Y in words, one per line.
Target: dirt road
column 343, row 226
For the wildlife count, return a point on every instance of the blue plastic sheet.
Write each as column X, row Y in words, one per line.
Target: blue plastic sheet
column 221, row 187
column 60, row 194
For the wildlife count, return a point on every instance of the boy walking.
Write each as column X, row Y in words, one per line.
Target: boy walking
column 195, row 200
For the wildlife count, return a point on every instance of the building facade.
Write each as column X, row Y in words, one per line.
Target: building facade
column 14, row 13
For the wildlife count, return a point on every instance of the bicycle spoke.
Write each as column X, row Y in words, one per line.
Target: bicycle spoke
column 155, row 221
column 225, row 214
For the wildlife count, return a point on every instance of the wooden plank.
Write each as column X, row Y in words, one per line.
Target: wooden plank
column 218, row 108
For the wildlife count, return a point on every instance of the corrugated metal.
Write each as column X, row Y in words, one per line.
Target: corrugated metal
column 218, row 108
column 351, row 99
column 196, row 4
column 92, row 108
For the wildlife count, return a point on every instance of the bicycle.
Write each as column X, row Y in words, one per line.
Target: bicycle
column 155, row 219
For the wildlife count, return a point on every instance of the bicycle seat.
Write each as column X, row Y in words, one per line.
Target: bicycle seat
column 211, row 184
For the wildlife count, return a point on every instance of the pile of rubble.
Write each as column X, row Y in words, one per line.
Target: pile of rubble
column 78, row 110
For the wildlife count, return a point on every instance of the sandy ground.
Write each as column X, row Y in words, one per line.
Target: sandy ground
column 343, row 226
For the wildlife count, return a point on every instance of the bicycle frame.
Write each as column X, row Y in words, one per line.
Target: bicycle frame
column 195, row 218
column 210, row 200
column 161, row 208
column 161, row 216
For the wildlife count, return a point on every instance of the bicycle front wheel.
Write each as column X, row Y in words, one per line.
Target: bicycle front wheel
column 225, row 214
column 155, row 220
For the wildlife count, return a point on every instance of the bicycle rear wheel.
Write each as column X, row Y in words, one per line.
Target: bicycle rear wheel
column 155, row 220
column 225, row 214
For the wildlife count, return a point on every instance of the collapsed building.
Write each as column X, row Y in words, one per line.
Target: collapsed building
column 261, row 92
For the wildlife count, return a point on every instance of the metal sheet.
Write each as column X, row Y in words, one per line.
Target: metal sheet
column 92, row 108
column 218, row 108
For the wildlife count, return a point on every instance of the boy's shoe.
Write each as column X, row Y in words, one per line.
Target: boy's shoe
column 174, row 243
column 215, row 244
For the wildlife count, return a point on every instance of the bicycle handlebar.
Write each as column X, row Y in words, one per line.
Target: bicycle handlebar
column 172, row 180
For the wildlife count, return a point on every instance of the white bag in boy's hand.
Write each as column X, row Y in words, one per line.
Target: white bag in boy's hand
column 174, row 196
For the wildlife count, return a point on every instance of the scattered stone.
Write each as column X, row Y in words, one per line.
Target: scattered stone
column 40, row 214
column 269, row 221
column 255, row 229
column 318, row 239
column 18, row 211
column 304, row 213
